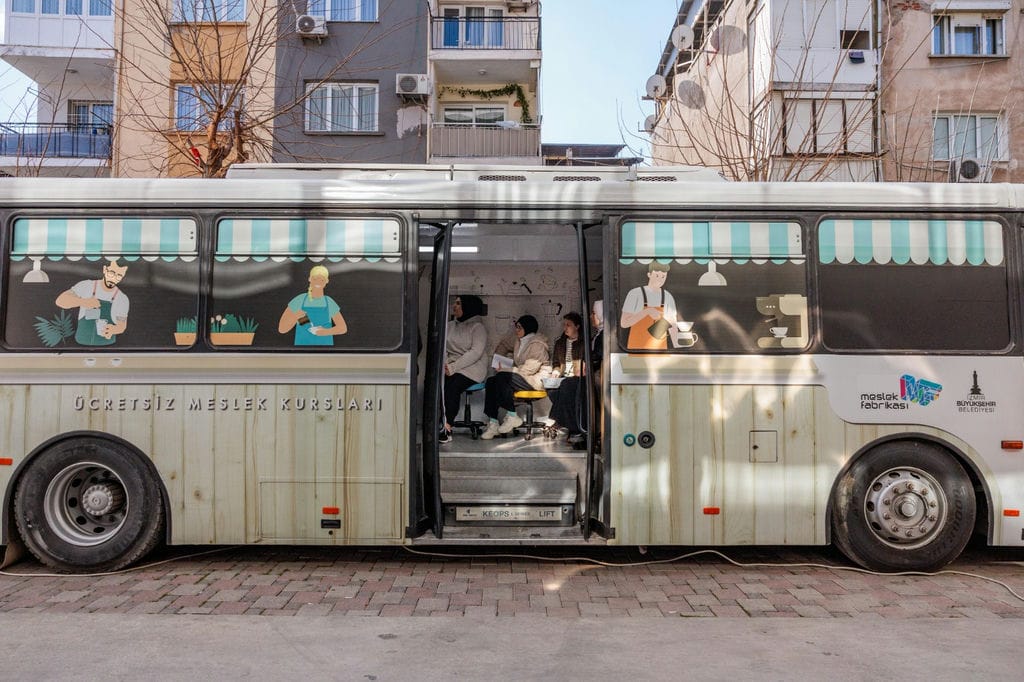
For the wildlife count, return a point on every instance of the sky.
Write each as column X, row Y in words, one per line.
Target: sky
column 598, row 55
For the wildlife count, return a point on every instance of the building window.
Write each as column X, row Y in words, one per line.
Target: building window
column 209, row 11
column 23, row 6
column 474, row 115
column 342, row 108
column 828, row 126
column 344, row 10
column 96, row 115
column 473, row 27
column 966, row 34
column 73, row 8
column 194, row 105
column 50, row 7
column 100, row 8
column 978, row 136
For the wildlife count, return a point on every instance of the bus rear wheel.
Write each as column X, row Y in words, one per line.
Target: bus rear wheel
column 88, row 505
column 904, row 506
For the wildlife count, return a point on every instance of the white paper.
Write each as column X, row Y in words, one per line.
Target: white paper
column 500, row 362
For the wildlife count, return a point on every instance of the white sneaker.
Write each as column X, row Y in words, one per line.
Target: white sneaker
column 512, row 420
column 490, row 432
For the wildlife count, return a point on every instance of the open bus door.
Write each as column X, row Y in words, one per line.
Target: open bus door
column 590, row 239
column 429, row 503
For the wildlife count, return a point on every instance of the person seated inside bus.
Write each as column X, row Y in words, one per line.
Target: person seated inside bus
column 569, row 406
column 466, row 358
column 528, row 356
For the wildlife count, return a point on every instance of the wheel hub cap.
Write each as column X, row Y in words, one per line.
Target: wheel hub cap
column 85, row 504
column 101, row 499
column 905, row 507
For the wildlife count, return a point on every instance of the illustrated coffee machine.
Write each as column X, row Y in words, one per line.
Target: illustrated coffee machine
column 786, row 326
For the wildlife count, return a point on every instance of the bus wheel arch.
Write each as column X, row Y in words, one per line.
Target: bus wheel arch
column 88, row 501
column 906, row 503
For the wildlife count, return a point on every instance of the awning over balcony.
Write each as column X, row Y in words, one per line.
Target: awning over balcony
column 739, row 242
column 299, row 239
column 902, row 242
column 56, row 238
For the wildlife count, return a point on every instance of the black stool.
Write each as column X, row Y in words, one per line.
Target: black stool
column 467, row 421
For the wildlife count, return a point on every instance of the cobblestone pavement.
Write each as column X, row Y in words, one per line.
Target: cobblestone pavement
column 536, row 582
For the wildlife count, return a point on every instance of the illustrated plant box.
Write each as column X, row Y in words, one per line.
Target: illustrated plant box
column 184, row 338
column 232, row 338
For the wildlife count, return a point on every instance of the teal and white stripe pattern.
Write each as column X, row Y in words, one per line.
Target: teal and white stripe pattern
column 914, row 242
column 299, row 239
column 683, row 242
column 96, row 238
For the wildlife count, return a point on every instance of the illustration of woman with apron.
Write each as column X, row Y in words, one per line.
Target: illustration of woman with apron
column 314, row 315
column 102, row 307
column 649, row 312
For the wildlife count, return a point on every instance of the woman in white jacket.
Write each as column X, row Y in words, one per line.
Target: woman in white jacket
column 465, row 356
column 531, row 352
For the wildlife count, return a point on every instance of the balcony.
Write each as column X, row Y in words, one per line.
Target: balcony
column 485, row 33
column 496, row 143
column 40, row 140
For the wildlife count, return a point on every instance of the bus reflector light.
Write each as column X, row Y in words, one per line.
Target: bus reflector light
column 712, row 511
column 331, row 510
column 6, row 461
column 1011, row 512
column 1012, row 444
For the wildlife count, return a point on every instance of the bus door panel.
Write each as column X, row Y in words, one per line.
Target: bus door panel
column 592, row 277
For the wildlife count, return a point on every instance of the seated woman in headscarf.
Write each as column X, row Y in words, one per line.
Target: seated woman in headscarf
column 569, row 404
column 529, row 354
column 465, row 356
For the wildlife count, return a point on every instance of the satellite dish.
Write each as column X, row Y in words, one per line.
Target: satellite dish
column 690, row 94
column 656, row 86
column 649, row 124
column 728, row 40
column 682, row 37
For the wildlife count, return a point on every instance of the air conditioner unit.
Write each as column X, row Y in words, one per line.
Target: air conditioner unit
column 412, row 84
column 309, row 26
column 969, row 170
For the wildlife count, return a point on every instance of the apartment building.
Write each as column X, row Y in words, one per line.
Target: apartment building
column 953, row 101
column 770, row 90
column 484, row 77
column 842, row 90
column 65, row 48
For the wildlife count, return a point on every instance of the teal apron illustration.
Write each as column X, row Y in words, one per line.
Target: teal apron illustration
column 319, row 316
column 93, row 321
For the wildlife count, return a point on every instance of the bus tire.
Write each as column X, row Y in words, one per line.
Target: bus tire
column 904, row 506
column 88, row 505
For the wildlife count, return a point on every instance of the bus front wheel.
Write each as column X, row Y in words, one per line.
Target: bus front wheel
column 88, row 504
column 904, row 506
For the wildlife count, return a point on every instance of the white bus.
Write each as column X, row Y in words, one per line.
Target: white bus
column 834, row 363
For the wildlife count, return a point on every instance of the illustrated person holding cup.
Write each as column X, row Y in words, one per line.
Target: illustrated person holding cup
column 102, row 307
column 649, row 312
column 314, row 315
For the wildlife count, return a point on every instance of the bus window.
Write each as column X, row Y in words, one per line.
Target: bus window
column 712, row 286
column 913, row 285
column 91, row 282
column 307, row 283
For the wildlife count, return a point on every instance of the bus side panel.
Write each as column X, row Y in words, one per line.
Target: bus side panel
column 732, row 464
column 242, row 463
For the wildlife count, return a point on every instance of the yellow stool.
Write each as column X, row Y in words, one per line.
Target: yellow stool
column 529, row 398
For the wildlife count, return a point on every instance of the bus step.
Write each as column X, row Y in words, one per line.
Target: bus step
column 509, row 514
column 554, row 488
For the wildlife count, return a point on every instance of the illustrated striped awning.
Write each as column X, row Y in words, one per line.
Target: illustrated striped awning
column 129, row 238
column 683, row 242
column 299, row 239
column 902, row 242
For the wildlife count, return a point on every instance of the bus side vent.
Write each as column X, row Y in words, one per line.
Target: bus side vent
column 576, row 178
column 658, row 178
column 502, row 178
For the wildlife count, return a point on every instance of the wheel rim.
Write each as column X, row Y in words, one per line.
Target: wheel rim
column 905, row 507
column 85, row 504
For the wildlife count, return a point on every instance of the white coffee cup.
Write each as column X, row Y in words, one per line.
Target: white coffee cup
column 779, row 332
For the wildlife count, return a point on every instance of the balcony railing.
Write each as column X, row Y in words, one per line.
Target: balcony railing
column 485, row 33
column 55, row 141
column 475, row 141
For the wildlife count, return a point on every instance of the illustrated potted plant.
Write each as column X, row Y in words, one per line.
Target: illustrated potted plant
column 231, row 330
column 185, row 331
